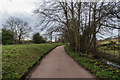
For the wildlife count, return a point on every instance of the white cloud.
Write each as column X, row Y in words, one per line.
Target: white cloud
column 18, row 8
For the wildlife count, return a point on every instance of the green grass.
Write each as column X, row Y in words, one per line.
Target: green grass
column 17, row 59
column 110, row 46
column 95, row 66
column 107, row 41
column 111, row 52
column 111, row 55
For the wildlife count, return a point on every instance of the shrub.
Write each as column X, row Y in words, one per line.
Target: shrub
column 38, row 39
column 7, row 37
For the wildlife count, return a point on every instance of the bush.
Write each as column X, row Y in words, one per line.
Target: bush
column 7, row 37
column 112, row 43
column 38, row 39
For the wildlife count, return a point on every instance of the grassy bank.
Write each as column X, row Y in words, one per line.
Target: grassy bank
column 17, row 59
column 110, row 52
column 95, row 66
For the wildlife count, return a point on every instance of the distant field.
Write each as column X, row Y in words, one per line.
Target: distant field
column 105, row 42
column 16, row 59
column 110, row 50
column 107, row 49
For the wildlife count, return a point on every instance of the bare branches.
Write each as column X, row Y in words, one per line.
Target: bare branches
column 18, row 26
column 82, row 21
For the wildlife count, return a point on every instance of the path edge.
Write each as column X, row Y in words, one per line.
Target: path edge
column 80, row 64
column 34, row 66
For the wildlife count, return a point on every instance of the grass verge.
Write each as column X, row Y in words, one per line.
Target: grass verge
column 17, row 59
column 95, row 66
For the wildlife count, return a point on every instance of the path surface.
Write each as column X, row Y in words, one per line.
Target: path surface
column 57, row 64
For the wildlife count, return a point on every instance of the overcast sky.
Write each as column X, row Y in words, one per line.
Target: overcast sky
column 21, row 9
column 18, row 8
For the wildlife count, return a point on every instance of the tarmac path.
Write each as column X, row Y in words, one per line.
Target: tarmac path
column 57, row 64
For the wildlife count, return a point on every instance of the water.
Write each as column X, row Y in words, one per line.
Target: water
column 111, row 63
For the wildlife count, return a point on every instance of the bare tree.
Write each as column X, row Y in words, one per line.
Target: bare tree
column 19, row 27
column 82, row 21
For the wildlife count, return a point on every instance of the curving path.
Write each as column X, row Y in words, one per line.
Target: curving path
column 57, row 64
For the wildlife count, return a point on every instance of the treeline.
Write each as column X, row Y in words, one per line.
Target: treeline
column 80, row 23
column 15, row 31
